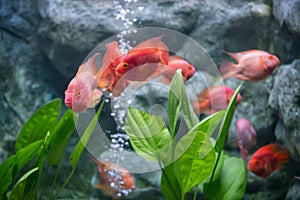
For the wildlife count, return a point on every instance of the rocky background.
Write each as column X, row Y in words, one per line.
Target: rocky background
column 43, row 42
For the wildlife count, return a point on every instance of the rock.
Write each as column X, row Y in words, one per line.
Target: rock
column 294, row 192
column 287, row 13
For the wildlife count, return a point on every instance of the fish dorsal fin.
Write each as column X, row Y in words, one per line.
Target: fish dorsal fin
column 282, row 156
column 89, row 66
column 152, row 43
column 237, row 56
column 112, row 53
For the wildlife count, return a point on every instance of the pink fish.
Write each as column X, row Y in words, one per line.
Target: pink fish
column 245, row 136
column 213, row 99
column 251, row 65
column 82, row 92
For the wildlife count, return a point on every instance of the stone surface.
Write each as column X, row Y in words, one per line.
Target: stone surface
column 287, row 13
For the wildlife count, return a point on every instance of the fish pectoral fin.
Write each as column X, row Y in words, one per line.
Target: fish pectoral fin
column 228, row 69
column 94, row 98
column 262, row 64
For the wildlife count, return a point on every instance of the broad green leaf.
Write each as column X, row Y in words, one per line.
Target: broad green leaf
column 60, row 137
column 169, row 184
column 232, row 182
column 187, row 111
column 223, row 132
column 18, row 191
column 75, row 156
column 174, row 103
column 210, row 123
column 196, row 162
column 13, row 165
column 148, row 135
column 39, row 124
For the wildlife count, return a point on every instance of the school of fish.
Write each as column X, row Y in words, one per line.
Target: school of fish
column 151, row 58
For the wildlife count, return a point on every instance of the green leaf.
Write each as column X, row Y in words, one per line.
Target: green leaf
column 18, row 190
column 39, row 124
column 13, row 165
column 177, row 90
column 148, row 135
column 197, row 161
column 75, row 156
column 169, row 184
column 232, row 182
column 174, row 103
column 223, row 132
column 60, row 137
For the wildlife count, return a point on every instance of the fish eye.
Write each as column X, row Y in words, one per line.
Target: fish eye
column 78, row 94
column 125, row 65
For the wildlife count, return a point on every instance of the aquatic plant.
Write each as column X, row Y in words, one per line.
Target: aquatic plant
column 39, row 146
column 195, row 161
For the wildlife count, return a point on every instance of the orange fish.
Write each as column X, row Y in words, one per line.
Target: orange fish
column 251, row 65
column 245, row 135
column 213, row 99
column 82, row 92
column 149, row 51
column 114, row 180
column 107, row 77
column 268, row 159
column 175, row 63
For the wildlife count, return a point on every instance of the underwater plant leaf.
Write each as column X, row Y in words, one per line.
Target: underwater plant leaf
column 75, row 155
column 231, row 184
column 174, row 102
column 18, row 190
column 60, row 137
column 204, row 185
column 210, row 123
column 148, row 135
column 39, row 124
column 223, row 132
column 12, row 166
column 169, row 184
column 196, row 162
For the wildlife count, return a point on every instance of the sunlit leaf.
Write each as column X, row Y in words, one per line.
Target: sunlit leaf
column 60, row 137
column 231, row 184
column 196, row 162
column 18, row 191
column 39, row 124
column 148, row 135
column 223, row 132
column 75, row 156
column 169, row 184
column 12, row 166
column 174, row 103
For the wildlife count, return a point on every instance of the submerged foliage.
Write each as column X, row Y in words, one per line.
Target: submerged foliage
column 194, row 161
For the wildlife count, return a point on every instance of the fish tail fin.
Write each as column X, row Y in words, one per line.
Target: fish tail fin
column 244, row 154
column 282, row 157
column 228, row 69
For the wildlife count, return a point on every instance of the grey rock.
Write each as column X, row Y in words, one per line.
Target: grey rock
column 288, row 13
column 294, row 192
column 285, row 94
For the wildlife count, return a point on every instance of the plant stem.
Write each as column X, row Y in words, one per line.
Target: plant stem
column 54, row 181
column 195, row 194
column 65, row 183
column 44, row 182
column 214, row 170
column 164, row 173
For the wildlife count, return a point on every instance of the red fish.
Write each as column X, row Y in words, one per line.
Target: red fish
column 149, row 51
column 245, row 135
column 251, row 65
column 82, row 92
column 268, row 159
column 175, row 63
column 114, row 180
column 213, row 99
column 107, row 77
